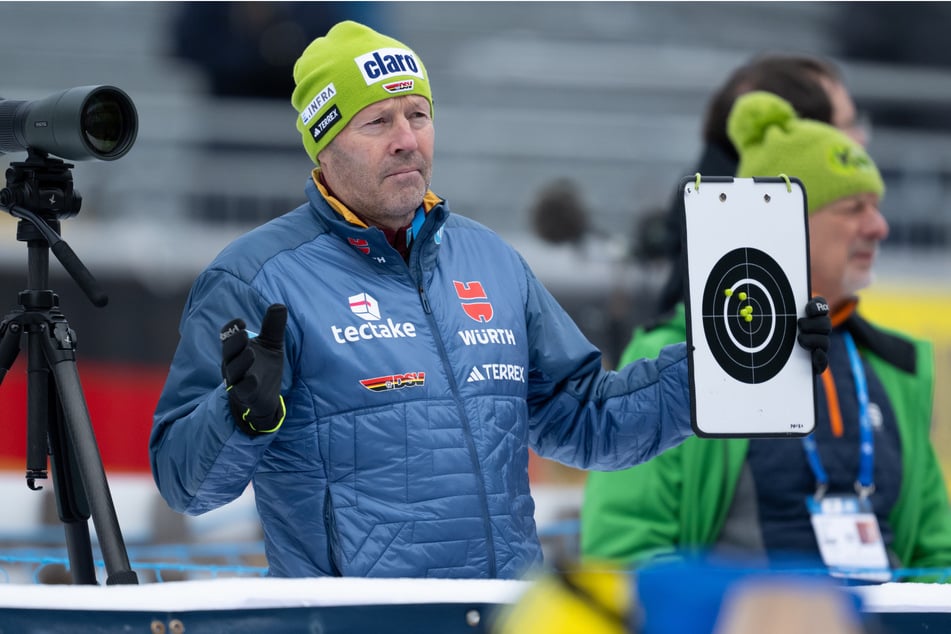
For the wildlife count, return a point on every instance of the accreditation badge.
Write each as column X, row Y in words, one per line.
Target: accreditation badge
column 849, row 538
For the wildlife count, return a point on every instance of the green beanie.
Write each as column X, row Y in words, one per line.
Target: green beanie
column 343, row 72
column 772, row 140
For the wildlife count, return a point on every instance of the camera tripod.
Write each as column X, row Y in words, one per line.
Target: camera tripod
column 58, row 422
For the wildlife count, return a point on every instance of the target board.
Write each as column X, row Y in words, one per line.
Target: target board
column 747, row 255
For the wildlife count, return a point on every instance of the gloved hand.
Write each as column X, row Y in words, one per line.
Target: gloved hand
column 814, row 331
column 252, row 370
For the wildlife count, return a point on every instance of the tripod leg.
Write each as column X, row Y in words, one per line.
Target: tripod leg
column 58, row 347
column 45, row 436
column 9, row 345
column 38, row 409
column 71, row 503
column 38, row 412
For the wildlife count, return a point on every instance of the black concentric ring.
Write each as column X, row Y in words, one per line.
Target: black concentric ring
column 749, row 315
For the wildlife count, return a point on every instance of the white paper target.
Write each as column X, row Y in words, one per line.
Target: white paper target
column 746, row 246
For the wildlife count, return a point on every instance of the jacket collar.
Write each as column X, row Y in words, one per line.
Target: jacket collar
column 371, row 242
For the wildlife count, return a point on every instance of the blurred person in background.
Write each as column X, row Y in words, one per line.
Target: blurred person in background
column 402, row 362
column 871, row 446
column 815, row 88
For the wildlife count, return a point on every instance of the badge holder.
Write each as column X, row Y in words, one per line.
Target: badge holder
column 849, row 537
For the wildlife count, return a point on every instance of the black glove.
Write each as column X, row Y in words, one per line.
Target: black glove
column 252, row 371
column 814, row 331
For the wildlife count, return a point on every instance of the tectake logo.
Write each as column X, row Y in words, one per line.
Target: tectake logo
column 384, row 63
column 367, row 308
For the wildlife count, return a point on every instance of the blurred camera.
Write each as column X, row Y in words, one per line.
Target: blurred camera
column 86, row 122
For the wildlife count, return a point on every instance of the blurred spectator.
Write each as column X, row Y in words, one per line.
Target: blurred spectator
column 559, row 215
column 812, row 85
column 248, row 49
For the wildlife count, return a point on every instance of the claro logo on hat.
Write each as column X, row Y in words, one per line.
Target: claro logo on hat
column 385, row 63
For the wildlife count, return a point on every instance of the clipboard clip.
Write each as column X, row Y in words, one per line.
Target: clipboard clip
column 788, row 184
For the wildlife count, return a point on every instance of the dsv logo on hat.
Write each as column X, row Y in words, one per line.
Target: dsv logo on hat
column 399, row 86
column 385, row 63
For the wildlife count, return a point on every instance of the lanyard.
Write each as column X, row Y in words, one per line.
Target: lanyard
column 864, row 485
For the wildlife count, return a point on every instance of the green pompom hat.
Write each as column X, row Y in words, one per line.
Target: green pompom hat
column 772, row 140
column 343, row 72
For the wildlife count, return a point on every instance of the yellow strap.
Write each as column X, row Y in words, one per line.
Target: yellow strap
column 696, row 184
column 273, row 429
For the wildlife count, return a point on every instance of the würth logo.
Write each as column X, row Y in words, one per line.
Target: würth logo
column 469, row 293
column 360, row 244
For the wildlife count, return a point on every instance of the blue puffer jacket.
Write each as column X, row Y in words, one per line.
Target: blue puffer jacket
column 413, row 393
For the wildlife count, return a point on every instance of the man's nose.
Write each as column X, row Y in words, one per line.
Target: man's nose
column 404, row 136
column 876, row 225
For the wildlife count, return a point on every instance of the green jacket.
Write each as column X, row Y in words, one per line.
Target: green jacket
column 679, row 500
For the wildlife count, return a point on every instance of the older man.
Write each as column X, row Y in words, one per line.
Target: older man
column 870, row 459
column 407, row 357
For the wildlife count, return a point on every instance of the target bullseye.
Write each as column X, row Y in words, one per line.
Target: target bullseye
column 749, row 315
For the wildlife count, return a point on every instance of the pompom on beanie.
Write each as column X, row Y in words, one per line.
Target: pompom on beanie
column 772, row 140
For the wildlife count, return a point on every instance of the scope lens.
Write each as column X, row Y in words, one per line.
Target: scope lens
column 103, row 122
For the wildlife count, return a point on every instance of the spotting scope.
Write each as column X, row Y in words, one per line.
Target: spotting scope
column 86, row 122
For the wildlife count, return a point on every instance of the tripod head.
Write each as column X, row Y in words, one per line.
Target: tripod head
column 39, row 192
column 97, row 122
column 42, row 184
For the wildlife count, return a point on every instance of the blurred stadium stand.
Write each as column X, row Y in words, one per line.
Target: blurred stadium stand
column 607, row 94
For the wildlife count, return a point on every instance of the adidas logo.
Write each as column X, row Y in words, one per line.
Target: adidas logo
column 475, row 375
column 497, row 372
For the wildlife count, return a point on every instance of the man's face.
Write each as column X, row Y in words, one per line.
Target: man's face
column 381, row 164
column 843, row 243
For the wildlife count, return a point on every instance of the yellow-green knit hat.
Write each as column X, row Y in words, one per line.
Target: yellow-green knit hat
column 772, row 140
column 343, row 72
